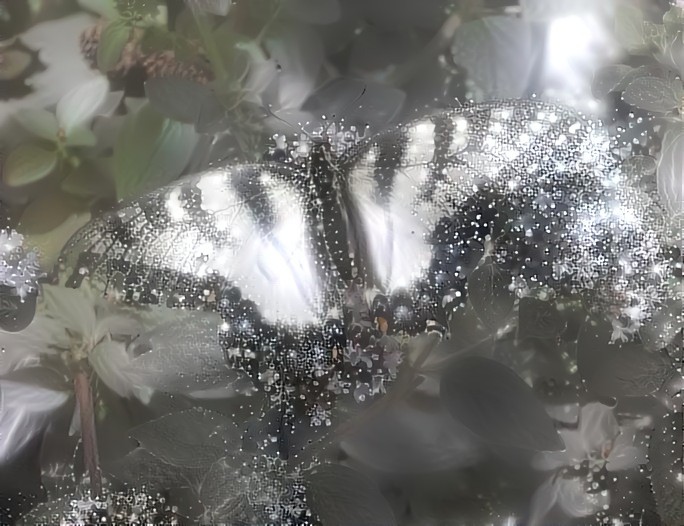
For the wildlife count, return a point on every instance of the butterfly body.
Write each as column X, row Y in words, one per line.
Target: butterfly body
column 404, row 216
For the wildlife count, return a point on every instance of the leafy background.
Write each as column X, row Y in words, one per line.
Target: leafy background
column 550, row 421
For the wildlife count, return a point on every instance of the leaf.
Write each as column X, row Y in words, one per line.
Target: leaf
column 142, row 467
column 215, row 7
column 113, row 40
column 509, row 47
column 28, row 164
column 78, row 106
column 39, row 122
column 15, row 314
column 538, row 319
column 490, row 295
column 638, row 166
column 629, row 29
column 47, row 211
column 495, row 404
column 104, row 8
column 185, row 355
column 313, row 11
column 653, row 94
column 356, row 101
column 663, row 327
column 609, row 79
column 150, row 151
column 341, row 496
column 223, row 493
column 177, row 98
column 13, row 64
column 665, row 453
column 671, row 169
column 194, row 438
column 618, row 370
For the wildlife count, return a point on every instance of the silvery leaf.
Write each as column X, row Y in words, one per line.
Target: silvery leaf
column 538, row 319
column 508, row 45
column 194, row 438
column 357, row 102
column 617, row 370
column 222, row 493
column 671, row 169
column 654, row 94
column 609, row 79
column 341, row 496
column 629, row 29
column 184, row 356
column 490, row 294
column 497, row 405
column 665, row 454
column 142, row 467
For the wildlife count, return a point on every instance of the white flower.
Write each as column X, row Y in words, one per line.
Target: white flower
column 76, row 326
column 57, row 43
column 598, row 442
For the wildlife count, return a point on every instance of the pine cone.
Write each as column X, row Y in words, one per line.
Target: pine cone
column 165, row 64
column 156, row 64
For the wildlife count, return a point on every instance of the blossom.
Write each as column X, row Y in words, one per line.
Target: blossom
column 70, row 327
column 598, row 442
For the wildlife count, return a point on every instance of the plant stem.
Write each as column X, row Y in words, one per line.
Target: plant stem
column 209, row 43
column 84, row 397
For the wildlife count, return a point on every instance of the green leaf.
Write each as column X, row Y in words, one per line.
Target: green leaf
column 341, row 496
column 490, row 295
column 497, row 405
column 112, row 42
column 28, row 164
column 629, row 29
column 177, row 98
column 215, row 7
column 609, row 79
column 13, row 64
column 150, row 151
column 104, row 8
column 39, row 122
column 654, row 94
column 142, row 467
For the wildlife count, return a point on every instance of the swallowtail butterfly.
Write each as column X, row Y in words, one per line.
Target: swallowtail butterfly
column 280, row 249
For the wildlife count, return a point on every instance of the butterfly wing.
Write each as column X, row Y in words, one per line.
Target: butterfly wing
column 451, row 167
column 246, row 227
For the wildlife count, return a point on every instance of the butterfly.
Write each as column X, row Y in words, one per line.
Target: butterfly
column 305, row 256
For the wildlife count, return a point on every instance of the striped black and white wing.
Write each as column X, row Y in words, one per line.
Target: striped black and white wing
column 403, row 186
column 247, row 228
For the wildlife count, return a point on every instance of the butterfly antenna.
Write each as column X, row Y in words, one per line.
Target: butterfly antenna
column 345, row 109
column 270, row 113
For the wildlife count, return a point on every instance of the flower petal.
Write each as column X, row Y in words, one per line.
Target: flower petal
column 113, row 366
column 24, row 411
column 71, row 308
column 598, row 425
column 78, row 106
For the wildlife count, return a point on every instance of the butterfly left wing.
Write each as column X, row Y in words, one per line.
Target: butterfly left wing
column 246, row 227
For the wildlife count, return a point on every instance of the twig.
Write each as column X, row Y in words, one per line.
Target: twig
column 84, row 397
